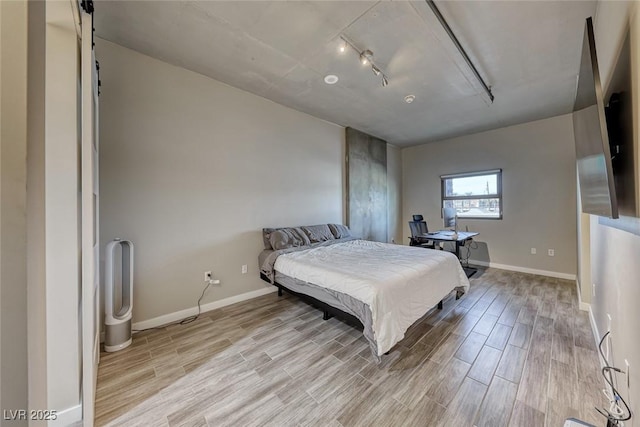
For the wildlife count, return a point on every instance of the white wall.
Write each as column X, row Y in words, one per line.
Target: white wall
column 191, row 170
column 615, row 244
column 13, row 190
column 539, row 191
column 584, row 252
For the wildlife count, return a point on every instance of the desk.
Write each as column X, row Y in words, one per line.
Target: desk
column 447, row 236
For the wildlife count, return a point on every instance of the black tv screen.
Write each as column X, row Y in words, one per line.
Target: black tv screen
column 593, row 155
column 619, row 115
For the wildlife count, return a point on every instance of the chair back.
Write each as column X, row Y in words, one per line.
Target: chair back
column 418, row 228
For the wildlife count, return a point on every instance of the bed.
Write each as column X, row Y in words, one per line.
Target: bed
column 386, row 287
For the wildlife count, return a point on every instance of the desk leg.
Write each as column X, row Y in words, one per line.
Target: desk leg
column 458, row 249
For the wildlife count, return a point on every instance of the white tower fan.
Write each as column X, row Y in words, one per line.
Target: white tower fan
column 118, row 294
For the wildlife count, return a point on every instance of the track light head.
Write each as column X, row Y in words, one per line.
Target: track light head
column 366, row 56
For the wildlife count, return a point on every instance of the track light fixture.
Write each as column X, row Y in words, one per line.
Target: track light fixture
column 366, row 58
column 457, row 44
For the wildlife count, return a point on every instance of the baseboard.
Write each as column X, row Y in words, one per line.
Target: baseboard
column 584, row 306
column 67, row 417
column 554, row 274
column 594, row 329
column 179, row 315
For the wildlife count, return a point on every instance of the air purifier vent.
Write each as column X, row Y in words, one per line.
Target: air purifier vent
column 118, row 294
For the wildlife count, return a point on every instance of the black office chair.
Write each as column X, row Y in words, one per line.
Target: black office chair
column 418, row 229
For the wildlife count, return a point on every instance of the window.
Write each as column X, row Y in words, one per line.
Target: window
column 474, row 195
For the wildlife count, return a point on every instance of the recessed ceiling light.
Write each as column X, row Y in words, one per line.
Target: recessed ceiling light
column 409, row 99
column 331, row 79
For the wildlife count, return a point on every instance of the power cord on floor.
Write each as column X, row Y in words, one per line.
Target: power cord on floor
column 616, row 413
column 193, row 318
column 184, row 321
column 472, row 245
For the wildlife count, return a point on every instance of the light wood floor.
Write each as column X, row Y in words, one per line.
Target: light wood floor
column 514, row 351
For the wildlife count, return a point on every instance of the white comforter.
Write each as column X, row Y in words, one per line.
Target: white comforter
column 398, row 283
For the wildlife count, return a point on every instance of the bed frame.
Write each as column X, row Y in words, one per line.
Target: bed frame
column 330, row 311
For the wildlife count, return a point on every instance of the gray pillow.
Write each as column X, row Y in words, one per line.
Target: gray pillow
column 266, row 235
column 318, row 233
column 303, row 236
column 285, row 238
column 340, row 231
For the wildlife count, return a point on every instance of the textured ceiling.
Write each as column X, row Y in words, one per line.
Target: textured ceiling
column 528, row 52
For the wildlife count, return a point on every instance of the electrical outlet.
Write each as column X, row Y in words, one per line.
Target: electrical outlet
column 534, row 251
column 207, row 276
column 245, row 269
column 552, row 252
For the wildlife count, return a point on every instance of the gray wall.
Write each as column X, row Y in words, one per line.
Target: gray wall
column 615, row 244
column 192, row 169
column 539, row 191
column 367, row 206
column 394, row 194
column 13, row 191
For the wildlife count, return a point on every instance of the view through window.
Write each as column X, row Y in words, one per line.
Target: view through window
column 474, row 195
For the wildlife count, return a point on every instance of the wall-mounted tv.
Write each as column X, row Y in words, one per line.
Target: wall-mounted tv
column 603, row 135
column 619, row 115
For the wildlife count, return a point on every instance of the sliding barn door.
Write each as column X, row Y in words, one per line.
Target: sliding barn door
column 90, row 222
column 367, row 207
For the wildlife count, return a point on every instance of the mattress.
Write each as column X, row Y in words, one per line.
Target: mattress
column 398, row 283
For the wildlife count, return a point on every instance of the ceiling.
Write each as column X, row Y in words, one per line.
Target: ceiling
column 528, row 52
